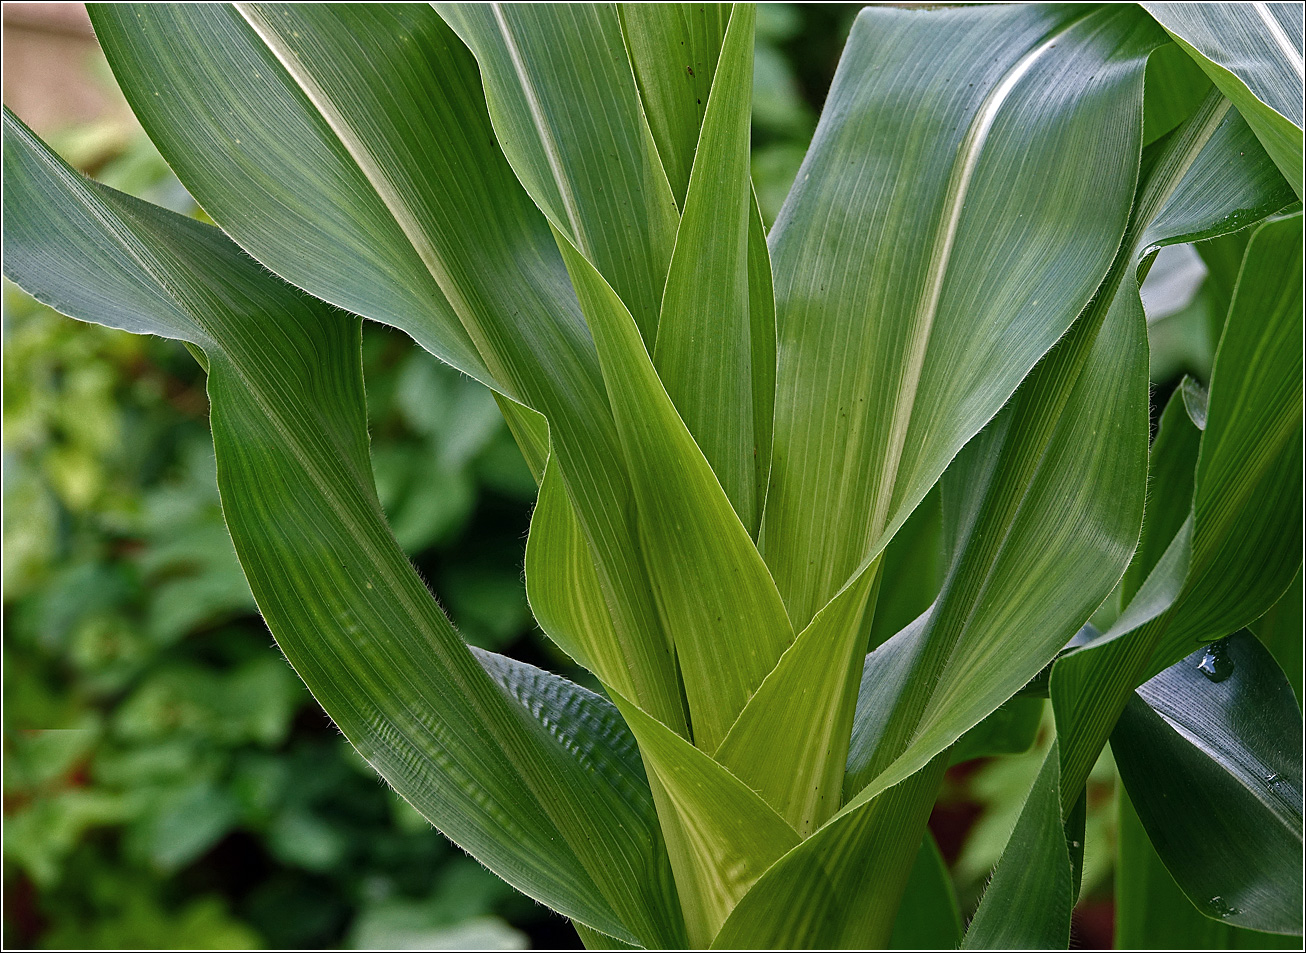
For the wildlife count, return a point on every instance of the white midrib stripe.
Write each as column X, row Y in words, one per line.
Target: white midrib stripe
column 1151, row 204
column 372, row 170
column 944, row 694
column 927, row 309
column 551, row 151
column 1285, row 45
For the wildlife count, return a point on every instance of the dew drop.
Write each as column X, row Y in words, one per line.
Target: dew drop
column 1216, row 664
column 1221, row 908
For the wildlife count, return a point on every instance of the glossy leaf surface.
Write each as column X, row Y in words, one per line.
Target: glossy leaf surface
column 1152, row 913
column 1210, row 752
column 1253, row 53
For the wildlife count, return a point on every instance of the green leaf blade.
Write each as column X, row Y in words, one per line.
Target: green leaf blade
column 928, row 918
column 673, row 50
column 953, row 334
column 484, row 263
column 720, row 834
column 705, row 353
column 713, row 590
column 567, row 113
column 1033, row 877
column 1250, row 506
column 347, row 608
column 790, row 742
column 1253, row 53
column 828, row 893
column 1152, row 913
column 1214, row 769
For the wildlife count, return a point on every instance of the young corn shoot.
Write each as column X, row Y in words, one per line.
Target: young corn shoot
column 739, row 433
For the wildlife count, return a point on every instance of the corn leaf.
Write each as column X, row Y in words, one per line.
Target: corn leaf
column 563, row 588
column 1173, row 458
column 1026, row 506
column 535, row 777
column 827, row 893
column 673, row 50
column 721, row 835
column 928, row 918
column 1152, row 913
column 1246, row 510
column 315, row 198
column 1027, row 903
column 1210, row 753
column 1255, row 426
column 595, row 940
column 921, row 271
column 761, row 338
column 567, row 113
column 886, row 674
column 1001, row 484
column 1173, row 89
column 1280, row 630
column 860, row 837
column 1253, row 54
column 533, row 104
column 790, row 742
column 912, row 570
column 1011, row 729
column 1083, row 698
column 932, row 376
column 713, row 590
column 705, row 353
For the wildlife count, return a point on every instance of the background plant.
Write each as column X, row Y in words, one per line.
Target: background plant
column 1161, row 203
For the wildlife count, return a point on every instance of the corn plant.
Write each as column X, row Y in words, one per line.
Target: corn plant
column 822, row 507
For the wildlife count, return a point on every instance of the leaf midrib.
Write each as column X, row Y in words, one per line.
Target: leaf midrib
column 374, row 174
column 926, row 311
column 1281, row 39
column 550, row 146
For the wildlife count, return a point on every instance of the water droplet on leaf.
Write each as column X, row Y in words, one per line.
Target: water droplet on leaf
column 1221, row 908
column 1216, row 664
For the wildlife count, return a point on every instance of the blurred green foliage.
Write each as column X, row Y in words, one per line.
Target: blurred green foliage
column 169, row 782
